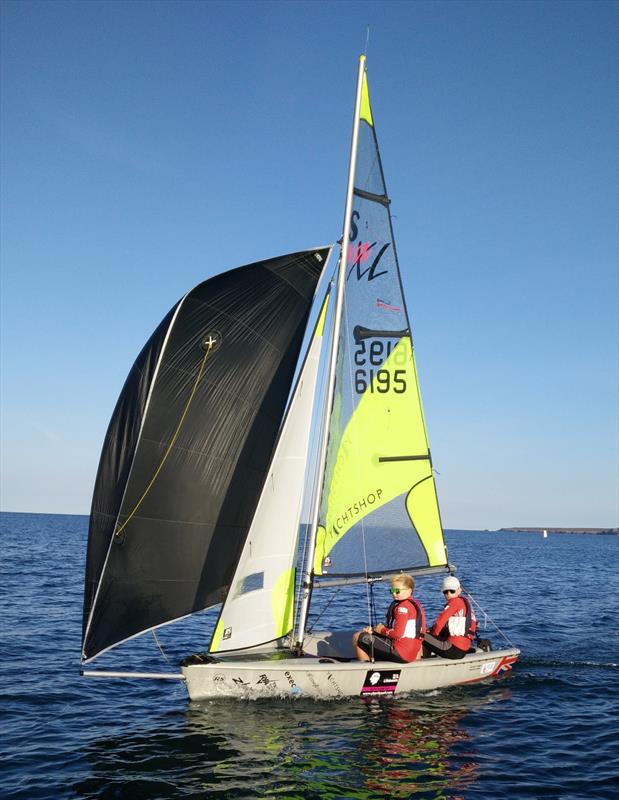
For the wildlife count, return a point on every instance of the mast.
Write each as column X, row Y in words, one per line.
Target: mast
column 339, row 301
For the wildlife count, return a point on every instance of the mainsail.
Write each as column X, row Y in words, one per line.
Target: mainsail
column 188, row 447
column 379, row 511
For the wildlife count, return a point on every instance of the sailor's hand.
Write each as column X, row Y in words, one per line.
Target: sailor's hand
column 379, row 628
column 368, row 630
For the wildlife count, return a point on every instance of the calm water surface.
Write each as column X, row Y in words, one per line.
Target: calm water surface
column 548, row 730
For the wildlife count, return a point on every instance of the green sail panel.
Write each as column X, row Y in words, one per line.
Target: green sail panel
column 379, row 510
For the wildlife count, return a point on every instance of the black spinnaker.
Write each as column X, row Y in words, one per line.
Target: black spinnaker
column 188, row 447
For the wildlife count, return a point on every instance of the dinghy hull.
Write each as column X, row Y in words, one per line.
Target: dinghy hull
column 328, row 679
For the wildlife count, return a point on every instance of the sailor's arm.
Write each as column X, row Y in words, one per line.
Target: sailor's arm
column 441, row 621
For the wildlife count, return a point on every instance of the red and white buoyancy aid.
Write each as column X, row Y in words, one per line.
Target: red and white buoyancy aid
column 459, row 617
column 406, row 623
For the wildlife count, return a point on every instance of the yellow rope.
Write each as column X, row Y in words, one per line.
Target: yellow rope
column 171, row 445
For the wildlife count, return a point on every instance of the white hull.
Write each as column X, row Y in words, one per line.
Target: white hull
column 321, row 678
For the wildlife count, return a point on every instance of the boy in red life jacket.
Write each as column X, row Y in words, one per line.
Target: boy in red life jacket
column 401, row 638
column 452, row 634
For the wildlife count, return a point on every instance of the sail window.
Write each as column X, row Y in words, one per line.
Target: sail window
column 251, row 583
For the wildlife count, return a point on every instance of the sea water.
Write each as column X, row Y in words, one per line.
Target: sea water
column 549, row 729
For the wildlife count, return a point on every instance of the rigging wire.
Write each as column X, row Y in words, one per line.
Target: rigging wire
column 324, row 609
column 488, row 618
column 372, row 606
column 161, row 650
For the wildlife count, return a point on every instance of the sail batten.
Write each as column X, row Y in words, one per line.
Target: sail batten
column 387, row 459
column 376, row 198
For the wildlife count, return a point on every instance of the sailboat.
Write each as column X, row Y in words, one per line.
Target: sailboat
column 269, row 444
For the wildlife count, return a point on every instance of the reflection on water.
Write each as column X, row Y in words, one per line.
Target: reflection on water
column 409, row 747
column 414, row 748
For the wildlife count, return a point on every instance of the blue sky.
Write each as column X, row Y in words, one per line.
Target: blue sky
column 147, row 146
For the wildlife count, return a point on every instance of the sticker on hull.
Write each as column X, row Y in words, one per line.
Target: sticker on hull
column 380, row 681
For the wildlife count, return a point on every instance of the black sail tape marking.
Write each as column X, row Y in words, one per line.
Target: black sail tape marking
column 360, row 333
column 375, row 198
column 383, row 459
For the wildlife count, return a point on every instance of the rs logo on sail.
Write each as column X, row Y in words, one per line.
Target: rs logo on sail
column 360, row 253
column 356, row 509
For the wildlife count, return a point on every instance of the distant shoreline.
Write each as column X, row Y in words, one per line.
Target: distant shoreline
column 593, row 531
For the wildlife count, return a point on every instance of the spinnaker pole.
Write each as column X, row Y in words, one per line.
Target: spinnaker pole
column 308, row 570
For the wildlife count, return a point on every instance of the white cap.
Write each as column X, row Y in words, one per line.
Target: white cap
column 450, row 582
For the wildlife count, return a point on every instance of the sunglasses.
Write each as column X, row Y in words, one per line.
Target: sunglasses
column 449, row 591
column 396, row 591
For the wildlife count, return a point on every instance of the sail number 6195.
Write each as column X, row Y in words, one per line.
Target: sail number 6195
column 381, row 380
column 385, row 381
